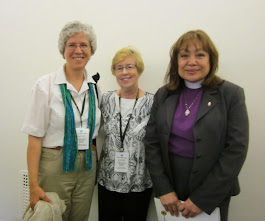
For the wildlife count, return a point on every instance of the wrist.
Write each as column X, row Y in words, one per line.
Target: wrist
column 33, row 185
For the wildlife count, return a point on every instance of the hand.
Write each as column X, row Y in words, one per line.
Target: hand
column 37, row 194
column 189, row 209
column 171, row 203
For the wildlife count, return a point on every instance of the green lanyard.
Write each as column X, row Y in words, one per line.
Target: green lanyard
column 122, row 136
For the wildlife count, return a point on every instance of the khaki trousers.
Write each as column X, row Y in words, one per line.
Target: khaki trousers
column 75, row 188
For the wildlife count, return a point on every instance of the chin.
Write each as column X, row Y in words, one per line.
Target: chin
column 193, row 80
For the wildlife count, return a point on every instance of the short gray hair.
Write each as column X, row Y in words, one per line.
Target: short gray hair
column 73, row 28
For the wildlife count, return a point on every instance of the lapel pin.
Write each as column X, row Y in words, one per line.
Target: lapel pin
column 209, row 104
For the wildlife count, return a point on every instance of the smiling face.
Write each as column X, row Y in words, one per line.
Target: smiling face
column 127, row 74
column 77, row 52
column 193, row 62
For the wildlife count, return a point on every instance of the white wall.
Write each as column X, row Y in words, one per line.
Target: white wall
column 28, row 50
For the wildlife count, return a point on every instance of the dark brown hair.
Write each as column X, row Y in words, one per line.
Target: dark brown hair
column 172, row 79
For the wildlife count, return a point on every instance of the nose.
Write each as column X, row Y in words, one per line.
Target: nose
column 124, row 70
column 192, row 60
column 78, row 49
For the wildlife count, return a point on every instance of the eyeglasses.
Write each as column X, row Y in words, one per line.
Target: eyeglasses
column 72, row 47
column 128, row 67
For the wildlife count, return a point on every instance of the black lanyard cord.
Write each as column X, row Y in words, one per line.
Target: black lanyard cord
column 122, row 136
column 83, row 107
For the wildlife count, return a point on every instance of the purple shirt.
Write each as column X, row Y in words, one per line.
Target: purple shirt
column 181, row 140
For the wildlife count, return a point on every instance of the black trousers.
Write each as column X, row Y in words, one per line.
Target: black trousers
column 116, row 206
column 182, row 166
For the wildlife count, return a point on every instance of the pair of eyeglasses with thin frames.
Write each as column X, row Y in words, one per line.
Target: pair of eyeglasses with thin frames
column 74, row 46
column 128, row 67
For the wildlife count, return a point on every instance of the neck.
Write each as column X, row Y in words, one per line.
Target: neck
column 74, row 74
column 75, row 77
column 128, row 94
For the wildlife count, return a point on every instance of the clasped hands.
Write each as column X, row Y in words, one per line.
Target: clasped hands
column 172, row 204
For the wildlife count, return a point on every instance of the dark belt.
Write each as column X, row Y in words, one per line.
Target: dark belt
column 93, row 146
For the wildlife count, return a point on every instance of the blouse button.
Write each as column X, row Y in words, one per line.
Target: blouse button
column 194, row 171
column 198, row 139
column 198, row 156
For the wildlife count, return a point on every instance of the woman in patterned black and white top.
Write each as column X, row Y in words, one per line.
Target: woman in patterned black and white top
column 125, row 186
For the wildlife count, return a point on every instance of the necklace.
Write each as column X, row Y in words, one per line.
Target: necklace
column 187, row 111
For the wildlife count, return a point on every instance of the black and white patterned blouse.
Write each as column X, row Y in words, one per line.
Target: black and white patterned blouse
column 137, row 179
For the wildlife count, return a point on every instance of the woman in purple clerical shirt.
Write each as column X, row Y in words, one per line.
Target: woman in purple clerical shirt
column 197, row 136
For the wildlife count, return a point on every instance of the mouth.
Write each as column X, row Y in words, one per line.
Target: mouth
column 192, row 71
column 125, row 78
column 78, row 59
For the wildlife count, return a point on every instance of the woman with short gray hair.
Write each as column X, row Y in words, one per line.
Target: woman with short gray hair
column 75, row 27
column 62, row 125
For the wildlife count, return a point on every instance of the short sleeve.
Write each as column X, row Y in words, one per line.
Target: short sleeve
column 37, row 117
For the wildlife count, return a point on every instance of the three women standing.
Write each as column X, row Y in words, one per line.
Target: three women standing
column 124, row 183
column 62, row 124
column 196, row 139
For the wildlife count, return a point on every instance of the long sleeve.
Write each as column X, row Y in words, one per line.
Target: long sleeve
column 222, row 179
column 154, row 151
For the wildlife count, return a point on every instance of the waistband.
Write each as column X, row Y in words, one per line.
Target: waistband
column 93, row 146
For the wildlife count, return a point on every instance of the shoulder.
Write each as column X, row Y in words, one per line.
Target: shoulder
column 47, row 77
column 149, row 95
column 108, row 101
column 231, row 93
column 108, row 95
column 230, row 90
column 161, row 91
column 228, row 86
column 161, row 94
column 148, row 99
column 45, row 82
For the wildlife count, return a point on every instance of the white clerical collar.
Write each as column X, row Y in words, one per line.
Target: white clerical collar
column 194, row 85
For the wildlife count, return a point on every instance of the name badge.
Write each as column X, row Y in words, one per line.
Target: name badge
column 121, row 162
column 82, row 138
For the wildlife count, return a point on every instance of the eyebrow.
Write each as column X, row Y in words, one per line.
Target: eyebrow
column 186, row 50
column 120, row 65
column 83, row 42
